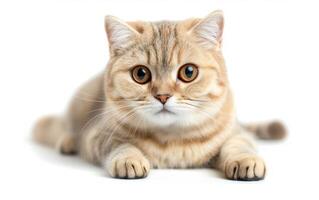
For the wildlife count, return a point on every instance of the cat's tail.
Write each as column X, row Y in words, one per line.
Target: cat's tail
column 273, row 130
column 54, row 132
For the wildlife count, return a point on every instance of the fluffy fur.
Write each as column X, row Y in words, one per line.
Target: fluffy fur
column 118, row 123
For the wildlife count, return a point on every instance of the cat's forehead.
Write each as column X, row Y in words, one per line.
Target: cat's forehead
column 162, row 46
column 164, row 30
column 164, row 42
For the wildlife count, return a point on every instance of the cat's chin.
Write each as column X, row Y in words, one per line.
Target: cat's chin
column 163, row 118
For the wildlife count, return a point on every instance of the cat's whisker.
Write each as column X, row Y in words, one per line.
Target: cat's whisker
column 103, row 114
column 114, row 129
column 201, row 110
column 194, row 100
column 119, row 123
column 96, row 110
column 89, row 100
column 89, row 95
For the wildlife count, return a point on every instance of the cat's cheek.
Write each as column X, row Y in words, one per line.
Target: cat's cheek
column 210, row 86
column 128, row 89
column 216, row 89
column 196, row 90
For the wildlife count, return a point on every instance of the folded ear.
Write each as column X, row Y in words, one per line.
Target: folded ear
column 208, row 31
column 120, row 34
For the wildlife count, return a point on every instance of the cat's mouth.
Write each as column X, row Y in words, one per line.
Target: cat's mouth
column 164, row 111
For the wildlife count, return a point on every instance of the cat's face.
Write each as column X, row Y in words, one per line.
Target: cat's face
column 166, row 73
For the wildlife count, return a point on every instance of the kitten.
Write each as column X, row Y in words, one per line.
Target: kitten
column 164, row 101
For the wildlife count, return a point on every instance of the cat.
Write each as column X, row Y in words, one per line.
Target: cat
column 163, row 101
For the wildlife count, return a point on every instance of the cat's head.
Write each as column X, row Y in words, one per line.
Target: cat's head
column 168, row 73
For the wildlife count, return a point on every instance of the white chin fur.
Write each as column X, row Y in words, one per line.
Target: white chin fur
column 163, row 119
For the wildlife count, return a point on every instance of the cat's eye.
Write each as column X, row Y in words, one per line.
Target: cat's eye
column 188, row 72
column 141, row 74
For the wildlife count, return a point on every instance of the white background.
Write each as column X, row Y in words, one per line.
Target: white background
column 48, row 48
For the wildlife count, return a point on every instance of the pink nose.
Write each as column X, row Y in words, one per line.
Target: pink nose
column 162, row 97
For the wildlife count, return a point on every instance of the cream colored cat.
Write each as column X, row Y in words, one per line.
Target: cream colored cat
column 164, row 101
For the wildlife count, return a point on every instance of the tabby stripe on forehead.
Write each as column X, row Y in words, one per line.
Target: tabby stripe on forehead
column 172, row 52
column 154, row 43
column 179, row 55
column 148, row 55
column 174, row 46
column 163, row 45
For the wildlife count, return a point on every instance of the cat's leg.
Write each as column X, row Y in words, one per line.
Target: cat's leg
column 53, row 131
column 127, row 161
column 239, row 161
column 102, row 146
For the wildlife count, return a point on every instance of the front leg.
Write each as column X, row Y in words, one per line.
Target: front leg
column 127, row 161
column 239, row 161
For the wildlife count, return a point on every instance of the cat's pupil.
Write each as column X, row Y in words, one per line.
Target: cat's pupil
column 141, row 73
column 189, row 71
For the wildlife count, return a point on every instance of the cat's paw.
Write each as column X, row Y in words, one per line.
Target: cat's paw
column 248, row 168
column 131, row 167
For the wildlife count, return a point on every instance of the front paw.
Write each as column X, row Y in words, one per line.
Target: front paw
column 131, row 167
column 246, row 168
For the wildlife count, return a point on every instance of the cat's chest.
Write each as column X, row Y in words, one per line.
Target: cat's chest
column 182, row 155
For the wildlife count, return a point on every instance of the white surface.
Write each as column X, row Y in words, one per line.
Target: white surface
column 48, row 48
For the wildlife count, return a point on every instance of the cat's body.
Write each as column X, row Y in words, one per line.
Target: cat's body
column 163, row 102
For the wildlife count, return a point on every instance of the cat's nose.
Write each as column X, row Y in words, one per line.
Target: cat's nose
column 162, row 97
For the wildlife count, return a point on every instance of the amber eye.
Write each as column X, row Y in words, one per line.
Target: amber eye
column 188, row 72
column 141, row 74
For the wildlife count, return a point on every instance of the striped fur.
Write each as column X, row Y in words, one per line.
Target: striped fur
column 113, row 121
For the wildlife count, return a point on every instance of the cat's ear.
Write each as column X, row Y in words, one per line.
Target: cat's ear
column 208, row 31
column 119, row 33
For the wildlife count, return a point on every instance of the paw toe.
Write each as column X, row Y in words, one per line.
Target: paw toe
column 232, row 170
column 129, row 168
column 248, row 169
